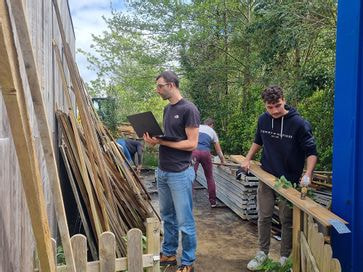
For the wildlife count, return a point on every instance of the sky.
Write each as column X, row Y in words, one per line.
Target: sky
column 87, row 20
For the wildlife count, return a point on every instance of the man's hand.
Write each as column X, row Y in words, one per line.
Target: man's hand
column 151, row 140
column 305, row 181
column 246, row 165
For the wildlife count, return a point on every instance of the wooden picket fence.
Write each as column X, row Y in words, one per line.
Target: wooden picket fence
column 135, row 261
column 316, row 256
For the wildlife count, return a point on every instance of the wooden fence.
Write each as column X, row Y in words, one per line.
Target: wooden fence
column 135, row 261
column 316, row 256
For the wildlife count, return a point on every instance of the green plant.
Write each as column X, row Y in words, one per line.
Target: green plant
column 271, row 266
column 282, row 182
column 60, row 256
column 150, row 156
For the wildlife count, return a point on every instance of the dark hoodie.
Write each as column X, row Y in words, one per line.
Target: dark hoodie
column 287, row 141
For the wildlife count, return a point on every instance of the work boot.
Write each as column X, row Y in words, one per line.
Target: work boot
column 167, row 260
column 185, row 268
column 256, row 263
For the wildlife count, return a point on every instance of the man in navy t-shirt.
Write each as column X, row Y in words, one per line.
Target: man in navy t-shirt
column 175, row 175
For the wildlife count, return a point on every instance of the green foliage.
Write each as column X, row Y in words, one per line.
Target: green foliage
column 319, row 110
column 60, row 256
column 150, row 156
column 271, row 266
column 226, row 52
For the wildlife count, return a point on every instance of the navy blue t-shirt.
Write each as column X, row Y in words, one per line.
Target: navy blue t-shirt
column 177, row 117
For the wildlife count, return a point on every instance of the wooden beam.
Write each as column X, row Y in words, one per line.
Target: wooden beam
column 19, row 120
column 19, row 15
column 307, row 205
column 296, row 229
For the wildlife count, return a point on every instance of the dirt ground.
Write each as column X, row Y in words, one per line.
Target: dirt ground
column 225, row 242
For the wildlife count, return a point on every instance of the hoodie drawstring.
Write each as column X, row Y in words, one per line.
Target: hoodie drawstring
column 272, row 123
column 282, row 126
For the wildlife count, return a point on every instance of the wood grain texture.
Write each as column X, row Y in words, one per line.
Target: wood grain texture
column 134, row 251
column 40, row 16
column 309, row 206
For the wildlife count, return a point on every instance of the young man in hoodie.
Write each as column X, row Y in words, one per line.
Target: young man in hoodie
column 286, row 141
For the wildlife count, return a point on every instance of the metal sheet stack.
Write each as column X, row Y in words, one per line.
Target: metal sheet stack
column 238, row 195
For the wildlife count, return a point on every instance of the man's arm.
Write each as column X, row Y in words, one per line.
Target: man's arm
column 310, row 165
column 218, row 149
column 187, row 145
column 251, row 153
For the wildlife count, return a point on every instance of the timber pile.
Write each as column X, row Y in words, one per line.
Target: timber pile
column 126, row 130
column 238, row 195
column 108, row 192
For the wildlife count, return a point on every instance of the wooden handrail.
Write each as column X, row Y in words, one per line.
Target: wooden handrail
column 309, row 206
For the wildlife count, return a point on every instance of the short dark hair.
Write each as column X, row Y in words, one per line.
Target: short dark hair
column 209, row 121
column 170, row 77
column 272, row 94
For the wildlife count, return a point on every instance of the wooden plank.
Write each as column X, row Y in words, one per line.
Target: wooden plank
column 307, row 205
column 311, row 264
column 296, row 229
column 107, row 247
column 153, row 242
column 121, row 264
column 319, row 257
column 134, row 250
column 14, row 98
column 335, row 266
column 328, row 255
column 79, row 206
column 79, row 246
column 43, row 125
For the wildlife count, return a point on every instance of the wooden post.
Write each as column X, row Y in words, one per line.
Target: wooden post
column 14, row 98
column 19, row 16
column 134, row 251
column 153, row 242
column 107, row 247
column 296, row 228
column 79, row 246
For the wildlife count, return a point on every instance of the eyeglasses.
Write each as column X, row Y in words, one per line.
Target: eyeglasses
column 159, row 86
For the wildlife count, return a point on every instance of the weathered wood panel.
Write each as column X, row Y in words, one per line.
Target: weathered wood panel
column 16, row 237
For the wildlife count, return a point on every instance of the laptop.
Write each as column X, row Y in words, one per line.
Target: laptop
column 146, row 122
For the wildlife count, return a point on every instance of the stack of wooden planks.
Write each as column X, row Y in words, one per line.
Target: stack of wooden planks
column 108, row 192
column 238, row 195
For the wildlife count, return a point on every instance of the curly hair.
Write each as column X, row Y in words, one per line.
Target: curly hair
column 272, row 94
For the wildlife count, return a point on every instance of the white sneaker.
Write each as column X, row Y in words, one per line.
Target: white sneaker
column 256, row 263
column 283, row 260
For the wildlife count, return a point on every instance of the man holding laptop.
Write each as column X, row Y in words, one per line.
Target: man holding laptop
column 175, row 175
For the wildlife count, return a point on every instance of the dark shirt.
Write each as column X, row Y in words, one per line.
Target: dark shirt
column 177, row 117
column 287, row 141
column 135, row 147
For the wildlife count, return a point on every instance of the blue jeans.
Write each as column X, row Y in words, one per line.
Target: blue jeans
column 176, row 209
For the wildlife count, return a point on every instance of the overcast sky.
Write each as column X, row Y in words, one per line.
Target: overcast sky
column 87, row 20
